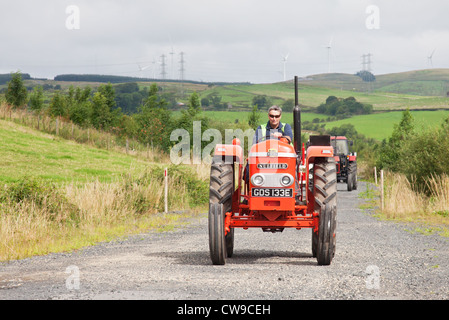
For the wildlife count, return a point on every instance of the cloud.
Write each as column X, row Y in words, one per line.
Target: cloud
column 240, row 40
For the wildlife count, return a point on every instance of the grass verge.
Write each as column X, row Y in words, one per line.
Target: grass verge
column 58, row 195
column 38, row 217
column 403, row 203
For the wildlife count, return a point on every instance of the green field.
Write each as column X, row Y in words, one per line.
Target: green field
column 240, row 96
column 29, row 153
column 242, row 117
column 429, row 82
column 380, row 125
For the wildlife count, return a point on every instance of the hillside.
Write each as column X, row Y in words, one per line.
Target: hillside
column 27, row 153
column 312, row 95
column 417, row 90
column 429, row 82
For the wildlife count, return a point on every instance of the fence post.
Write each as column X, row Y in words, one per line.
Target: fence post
column 166, row 190
column 375, row 175
column 382, row 198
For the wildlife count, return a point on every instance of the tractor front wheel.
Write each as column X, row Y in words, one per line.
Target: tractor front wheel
column 325, row 192
column 230, row 243
column 217, row 239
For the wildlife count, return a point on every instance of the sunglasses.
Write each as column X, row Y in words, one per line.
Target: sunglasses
column 273, row 116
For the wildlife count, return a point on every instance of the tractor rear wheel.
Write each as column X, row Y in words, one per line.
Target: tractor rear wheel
column 221, row 190
column 325, row 193
column 353, row 168
column 350, row 181
column 352, row 176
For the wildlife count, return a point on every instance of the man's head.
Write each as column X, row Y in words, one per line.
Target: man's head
column 274, row 115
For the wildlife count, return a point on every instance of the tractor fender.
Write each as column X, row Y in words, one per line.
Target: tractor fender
column 352, row 158
column 229, row 153
column 319, row 152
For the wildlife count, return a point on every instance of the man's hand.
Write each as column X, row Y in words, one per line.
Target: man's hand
column 279, row 135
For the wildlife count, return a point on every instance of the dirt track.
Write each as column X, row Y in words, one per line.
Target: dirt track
column 374, row 260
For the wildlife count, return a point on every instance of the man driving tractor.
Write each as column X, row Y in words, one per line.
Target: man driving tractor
column 274, row 129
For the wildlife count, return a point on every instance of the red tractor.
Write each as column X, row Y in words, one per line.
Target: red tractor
column 287, row 188
column 346, row 162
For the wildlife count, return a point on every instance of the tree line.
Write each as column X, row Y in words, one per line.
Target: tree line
column 343, row 108
column 151, row 124
column 417, row 153
column 124, row 79
column 5, row 78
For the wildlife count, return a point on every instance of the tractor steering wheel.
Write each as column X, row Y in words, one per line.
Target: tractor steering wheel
column 284, row 139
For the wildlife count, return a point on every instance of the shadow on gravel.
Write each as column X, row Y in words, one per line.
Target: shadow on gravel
column 271, row 257
column 241, row 257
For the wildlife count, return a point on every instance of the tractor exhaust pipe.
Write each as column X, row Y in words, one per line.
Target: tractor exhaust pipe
column 297, row 121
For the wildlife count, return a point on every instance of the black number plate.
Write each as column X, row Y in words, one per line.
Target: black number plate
column 272, row 192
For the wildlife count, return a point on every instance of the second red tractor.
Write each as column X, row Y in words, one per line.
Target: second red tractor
column 346, row 162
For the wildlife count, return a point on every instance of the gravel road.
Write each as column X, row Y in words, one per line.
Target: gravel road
column 374, row 260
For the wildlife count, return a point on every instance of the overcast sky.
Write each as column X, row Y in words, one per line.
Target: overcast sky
column 232, row 40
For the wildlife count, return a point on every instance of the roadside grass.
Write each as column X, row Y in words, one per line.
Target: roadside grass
column 370, row 197
column 27, row 231
column 38, row 216
column 59, row 195
column 429, row 215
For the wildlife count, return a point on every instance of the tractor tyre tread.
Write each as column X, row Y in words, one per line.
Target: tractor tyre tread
column 217, row 240
column 221, row 191
column 325, row 192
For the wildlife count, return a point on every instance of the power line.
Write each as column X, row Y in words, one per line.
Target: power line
column 182, row 70
column 366, row 62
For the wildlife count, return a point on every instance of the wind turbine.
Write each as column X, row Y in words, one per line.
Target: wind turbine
column 154, row 68
column 329, row 50
column 141, row 69
column 429, row 58
column 284, row 61
column 172, row 52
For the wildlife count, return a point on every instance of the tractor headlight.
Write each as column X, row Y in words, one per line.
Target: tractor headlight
column 287, row 180
column 257, row 180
